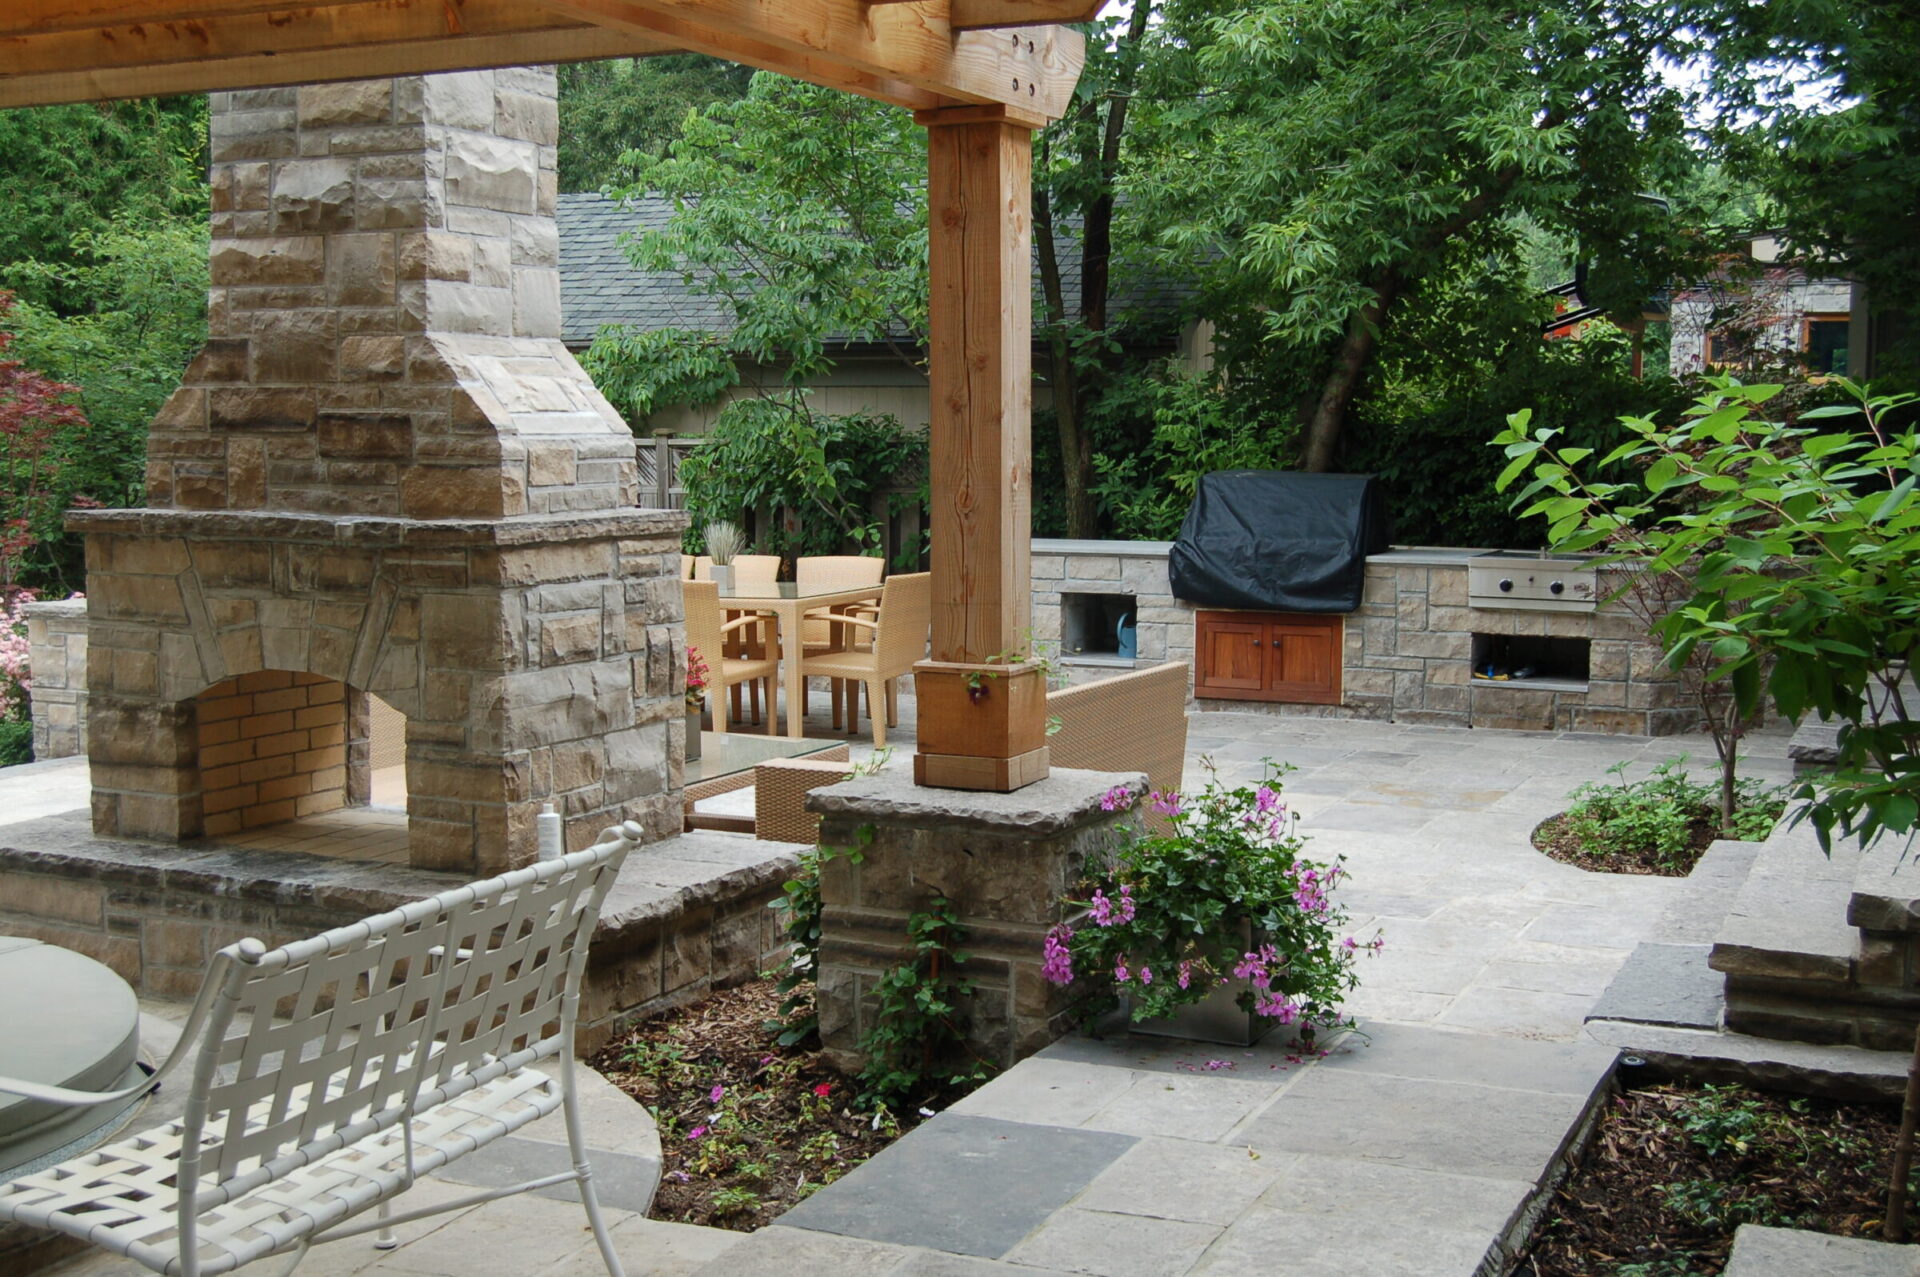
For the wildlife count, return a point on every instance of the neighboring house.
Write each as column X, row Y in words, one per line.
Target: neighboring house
column 600, row 286
column 1769, row 314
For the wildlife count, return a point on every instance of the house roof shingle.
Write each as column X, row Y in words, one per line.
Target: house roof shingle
column 600, row 286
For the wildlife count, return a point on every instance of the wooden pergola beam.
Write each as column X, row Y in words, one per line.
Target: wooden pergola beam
column 344, row 28
column 1031, row 73
column 975, row 15
column 920, row 55
column 318, row 65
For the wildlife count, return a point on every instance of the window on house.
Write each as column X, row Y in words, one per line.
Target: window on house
column 1825, row 342
column 1727, row 351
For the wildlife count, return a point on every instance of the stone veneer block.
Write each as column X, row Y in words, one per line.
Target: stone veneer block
column 1007, row 861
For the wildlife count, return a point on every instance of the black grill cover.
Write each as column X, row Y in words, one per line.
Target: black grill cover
column 1279, row 541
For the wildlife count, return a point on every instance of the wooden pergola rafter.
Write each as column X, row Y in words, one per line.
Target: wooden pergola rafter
column 979, row 74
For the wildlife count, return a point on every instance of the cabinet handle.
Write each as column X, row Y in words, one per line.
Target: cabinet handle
column 1256, row 642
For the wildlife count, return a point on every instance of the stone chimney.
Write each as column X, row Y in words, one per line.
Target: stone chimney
column 385, row 471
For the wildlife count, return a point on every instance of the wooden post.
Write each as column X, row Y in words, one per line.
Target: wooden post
column 662, row 468
column 982, row 703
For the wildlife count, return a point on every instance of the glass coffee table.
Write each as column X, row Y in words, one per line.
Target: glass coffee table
column 726, row 764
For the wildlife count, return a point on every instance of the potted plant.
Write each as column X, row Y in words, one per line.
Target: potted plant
column 724, row 541
column 696, row 695
column 1214, row 924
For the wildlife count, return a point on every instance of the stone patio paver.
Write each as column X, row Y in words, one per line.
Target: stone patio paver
column 1352, row 1163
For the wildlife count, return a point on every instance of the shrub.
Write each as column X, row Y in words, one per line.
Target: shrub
column 1660, row 819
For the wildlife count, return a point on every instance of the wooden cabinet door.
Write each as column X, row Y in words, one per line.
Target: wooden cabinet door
column 1267, row 656
column 1230, row 655
column 1303, row 659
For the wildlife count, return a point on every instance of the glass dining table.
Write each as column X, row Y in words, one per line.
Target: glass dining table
column 787, row 603
column 726, row 763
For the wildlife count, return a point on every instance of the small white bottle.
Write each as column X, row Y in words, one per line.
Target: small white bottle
column 553, row 839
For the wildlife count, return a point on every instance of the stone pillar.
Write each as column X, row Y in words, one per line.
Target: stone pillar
column 1006, row 860
column 57, row 645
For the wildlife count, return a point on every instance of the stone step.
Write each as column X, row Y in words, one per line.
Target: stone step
column 1886, row 888
column 1776, row 1252
column 1789, row 918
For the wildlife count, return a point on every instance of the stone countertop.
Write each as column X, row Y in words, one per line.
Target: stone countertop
column 1398, row 556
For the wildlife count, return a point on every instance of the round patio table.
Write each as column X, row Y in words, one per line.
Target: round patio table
column 65, row 1020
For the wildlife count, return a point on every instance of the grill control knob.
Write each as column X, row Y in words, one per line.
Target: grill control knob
column 1558, row 587
column 1506, row 586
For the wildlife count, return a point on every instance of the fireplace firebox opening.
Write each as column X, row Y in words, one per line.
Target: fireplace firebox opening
column 277, row 745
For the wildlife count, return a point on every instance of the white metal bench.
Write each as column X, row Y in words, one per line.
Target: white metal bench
column 330, row 1073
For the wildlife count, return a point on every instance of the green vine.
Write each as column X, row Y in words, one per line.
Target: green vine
column 799, row 907
column 916, row 1042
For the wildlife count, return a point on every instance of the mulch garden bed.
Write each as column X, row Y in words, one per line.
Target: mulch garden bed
column 747, row 1128
column 1673, row 1170
column 1553, row 837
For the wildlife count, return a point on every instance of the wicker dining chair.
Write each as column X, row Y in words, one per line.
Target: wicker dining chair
column 818, row 632
column 1130, row 723
column 708, row 631
column 899, row 631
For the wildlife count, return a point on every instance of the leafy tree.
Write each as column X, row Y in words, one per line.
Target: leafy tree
column 1791, row 561
column 1819, row 105
column 804, row 208
column 73, row 171
column 37, row 416
column 617, row 113
column 1323, row 162
column 138, row 293
column 1077, row 164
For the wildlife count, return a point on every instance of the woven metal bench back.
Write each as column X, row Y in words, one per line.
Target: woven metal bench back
column 317, row 1044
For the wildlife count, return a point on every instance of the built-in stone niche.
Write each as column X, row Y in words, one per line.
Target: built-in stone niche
column 1090, row 627
column 1523, row 660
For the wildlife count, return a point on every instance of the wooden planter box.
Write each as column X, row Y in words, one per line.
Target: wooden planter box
column 980, row 726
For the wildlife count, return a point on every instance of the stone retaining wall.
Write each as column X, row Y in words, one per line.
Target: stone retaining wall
column 686, row 916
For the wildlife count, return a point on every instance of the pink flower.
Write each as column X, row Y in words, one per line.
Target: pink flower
column 1146, row 974
column 1277, row 1006
column 1056, row 966
column 1166, row 803
column 1266, row 799
column 697, row 1132
column 1101, row 908
column 1120, row 971
column 1185, row 975
column 823, row 1090
column 1116, row 798
column 1126, row 903
column 713, row 1096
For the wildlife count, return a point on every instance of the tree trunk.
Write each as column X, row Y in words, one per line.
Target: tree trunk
column 1076, row 450
column 1343, row 382
column 1895, row 1227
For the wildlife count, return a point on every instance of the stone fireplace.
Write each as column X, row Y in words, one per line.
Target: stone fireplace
column 384, row 476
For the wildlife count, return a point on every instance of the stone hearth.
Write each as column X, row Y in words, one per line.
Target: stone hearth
column 385, row 475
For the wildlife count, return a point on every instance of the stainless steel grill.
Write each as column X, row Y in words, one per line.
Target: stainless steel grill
column 1534, row 581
